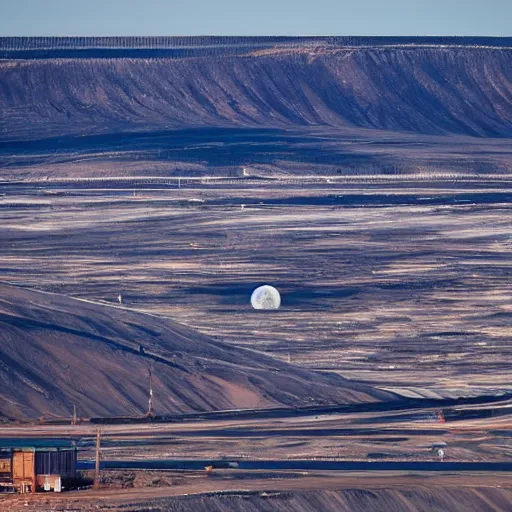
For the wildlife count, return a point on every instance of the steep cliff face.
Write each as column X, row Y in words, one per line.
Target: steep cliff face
column 424, row 89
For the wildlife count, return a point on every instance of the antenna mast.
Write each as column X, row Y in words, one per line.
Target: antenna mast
column 97, row 464
column 150, row 399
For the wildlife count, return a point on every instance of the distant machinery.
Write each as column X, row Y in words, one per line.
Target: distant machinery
column 440, row 449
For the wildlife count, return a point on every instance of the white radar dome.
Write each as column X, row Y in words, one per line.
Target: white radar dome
column 265, row 297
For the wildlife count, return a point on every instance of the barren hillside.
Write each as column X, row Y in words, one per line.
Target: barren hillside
column 56, row 351
column 379, row 500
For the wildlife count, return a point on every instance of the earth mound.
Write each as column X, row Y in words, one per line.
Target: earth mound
column 59, row 351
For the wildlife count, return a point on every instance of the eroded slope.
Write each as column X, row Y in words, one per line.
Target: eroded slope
column 430, row 89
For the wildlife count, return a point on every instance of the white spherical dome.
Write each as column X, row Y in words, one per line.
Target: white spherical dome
column 265, row 297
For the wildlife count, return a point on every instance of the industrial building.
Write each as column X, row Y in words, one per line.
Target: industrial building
column 32, row 467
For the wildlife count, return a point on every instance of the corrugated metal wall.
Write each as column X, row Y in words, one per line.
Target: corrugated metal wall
column 56, row 463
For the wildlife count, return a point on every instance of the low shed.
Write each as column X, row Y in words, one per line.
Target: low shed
column 37, row 466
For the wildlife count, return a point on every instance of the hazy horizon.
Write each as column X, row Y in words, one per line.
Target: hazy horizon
column 266, row 17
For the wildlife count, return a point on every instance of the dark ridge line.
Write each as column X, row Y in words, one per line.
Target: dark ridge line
column 183, row 47
column 285, row 412
column 168, row 42
column 117, row 53
column 206, row 51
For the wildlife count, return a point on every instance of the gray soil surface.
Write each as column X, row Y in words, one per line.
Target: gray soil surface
column 58, row 351
column 413, row 297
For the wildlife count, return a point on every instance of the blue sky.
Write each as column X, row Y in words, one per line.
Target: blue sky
column 255, row 17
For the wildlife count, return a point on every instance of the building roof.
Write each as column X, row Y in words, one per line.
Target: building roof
column 36, row 444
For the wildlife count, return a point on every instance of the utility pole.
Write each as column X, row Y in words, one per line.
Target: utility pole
column 97, row 467
column 74, row 414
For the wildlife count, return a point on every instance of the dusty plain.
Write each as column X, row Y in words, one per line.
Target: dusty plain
column 412, row 294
